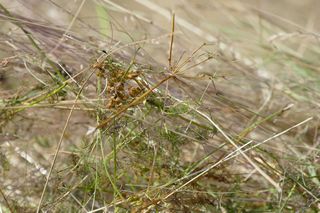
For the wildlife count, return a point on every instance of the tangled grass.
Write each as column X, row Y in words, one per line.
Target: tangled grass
column 107, row 106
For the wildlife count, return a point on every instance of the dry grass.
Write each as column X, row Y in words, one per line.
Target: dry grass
column 108, row 106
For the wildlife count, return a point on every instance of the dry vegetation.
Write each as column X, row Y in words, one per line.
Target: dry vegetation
column 120, row 106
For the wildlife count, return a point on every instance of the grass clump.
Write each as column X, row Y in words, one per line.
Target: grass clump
column 98, row 119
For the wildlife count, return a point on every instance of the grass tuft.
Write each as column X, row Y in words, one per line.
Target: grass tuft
column 109, row 111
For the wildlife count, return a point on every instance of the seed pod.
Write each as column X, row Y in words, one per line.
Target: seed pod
column 132, row 75
column 134, row 91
